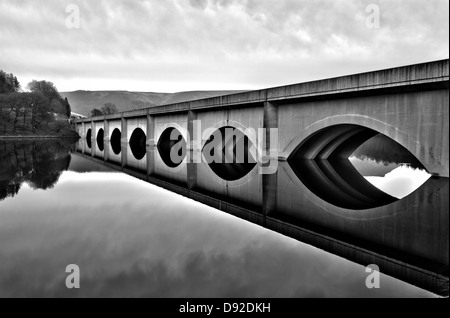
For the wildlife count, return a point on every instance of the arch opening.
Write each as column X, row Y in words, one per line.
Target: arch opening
column 138, row 141
column 229, row 153
column 355, row 167
column 89, row 138
column 100, row 137
column 116, row 137
column 172, row 147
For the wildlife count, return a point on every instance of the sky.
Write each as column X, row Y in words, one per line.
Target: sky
column 182, row 45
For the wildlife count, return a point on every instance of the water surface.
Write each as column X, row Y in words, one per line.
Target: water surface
column 133, row 239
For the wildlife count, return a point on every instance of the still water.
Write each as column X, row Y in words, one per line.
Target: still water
column 133, row 239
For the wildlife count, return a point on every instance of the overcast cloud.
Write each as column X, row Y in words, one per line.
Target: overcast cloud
column 178, row 45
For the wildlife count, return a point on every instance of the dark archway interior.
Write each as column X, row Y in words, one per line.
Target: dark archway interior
column 88, row 138
column 231, row 164
column 170, row 138
column 116, row 137
column 321, row 163
column 100, row 137
column 138, row 143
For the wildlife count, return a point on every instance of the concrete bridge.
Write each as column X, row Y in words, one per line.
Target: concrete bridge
column 320, row 120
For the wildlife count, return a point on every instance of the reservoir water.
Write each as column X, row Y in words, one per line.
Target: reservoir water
column 64, row 203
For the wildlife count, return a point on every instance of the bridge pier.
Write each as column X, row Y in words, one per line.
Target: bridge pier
column 124, row 140
column 269, row 180
column 150, row 144
column 93, row 139
column 190, row 149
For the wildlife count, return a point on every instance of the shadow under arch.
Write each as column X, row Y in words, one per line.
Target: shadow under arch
column 170, row 138
column 235, row 160
column 100, row 137
column 138, row 141
column 321, row 163
column 116, row 137
column 89, row 138
column 415, row 147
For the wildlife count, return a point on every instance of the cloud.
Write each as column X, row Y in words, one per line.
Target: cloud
column 206, row 44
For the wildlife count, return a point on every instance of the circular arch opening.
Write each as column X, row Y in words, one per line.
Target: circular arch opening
column 172, row 147
column 355, row 167
column 116, row 137
column 228, row 153
column 89, row 138
column 138, row 141
column 100, row 137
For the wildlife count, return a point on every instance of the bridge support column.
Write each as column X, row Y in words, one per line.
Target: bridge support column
column 190, row 149
column 269, row 180
column 82, row 133
column 93, row 139
column 150, row 144
column 107, row 145
column 124, row 141
column 106, row 136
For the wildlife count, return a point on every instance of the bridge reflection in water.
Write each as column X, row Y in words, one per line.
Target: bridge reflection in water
column 407, row 238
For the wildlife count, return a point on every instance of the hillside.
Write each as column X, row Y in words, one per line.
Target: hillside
column 82, row 102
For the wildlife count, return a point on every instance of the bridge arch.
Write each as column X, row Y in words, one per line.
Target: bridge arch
column 366, row 124
column 100, row 138
column 232, row 165
column 138, row 143
column 170, row 138
column 89, row 138
column 115, row 141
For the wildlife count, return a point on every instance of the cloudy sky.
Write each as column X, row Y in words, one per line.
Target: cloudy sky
column 179, row 45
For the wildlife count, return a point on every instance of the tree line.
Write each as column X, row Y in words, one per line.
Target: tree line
column 40, row 109
column 39, row 163
column 107, row 109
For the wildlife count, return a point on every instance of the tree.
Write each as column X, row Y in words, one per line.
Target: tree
column 17, row 107
column 96, row 112
column 8, row 83
column 40, row 110
column 68, row 108
column 60, row 124
column 48, row 89
column 109, row 108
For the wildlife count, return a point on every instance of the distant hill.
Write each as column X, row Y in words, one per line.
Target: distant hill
column 82, row 102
